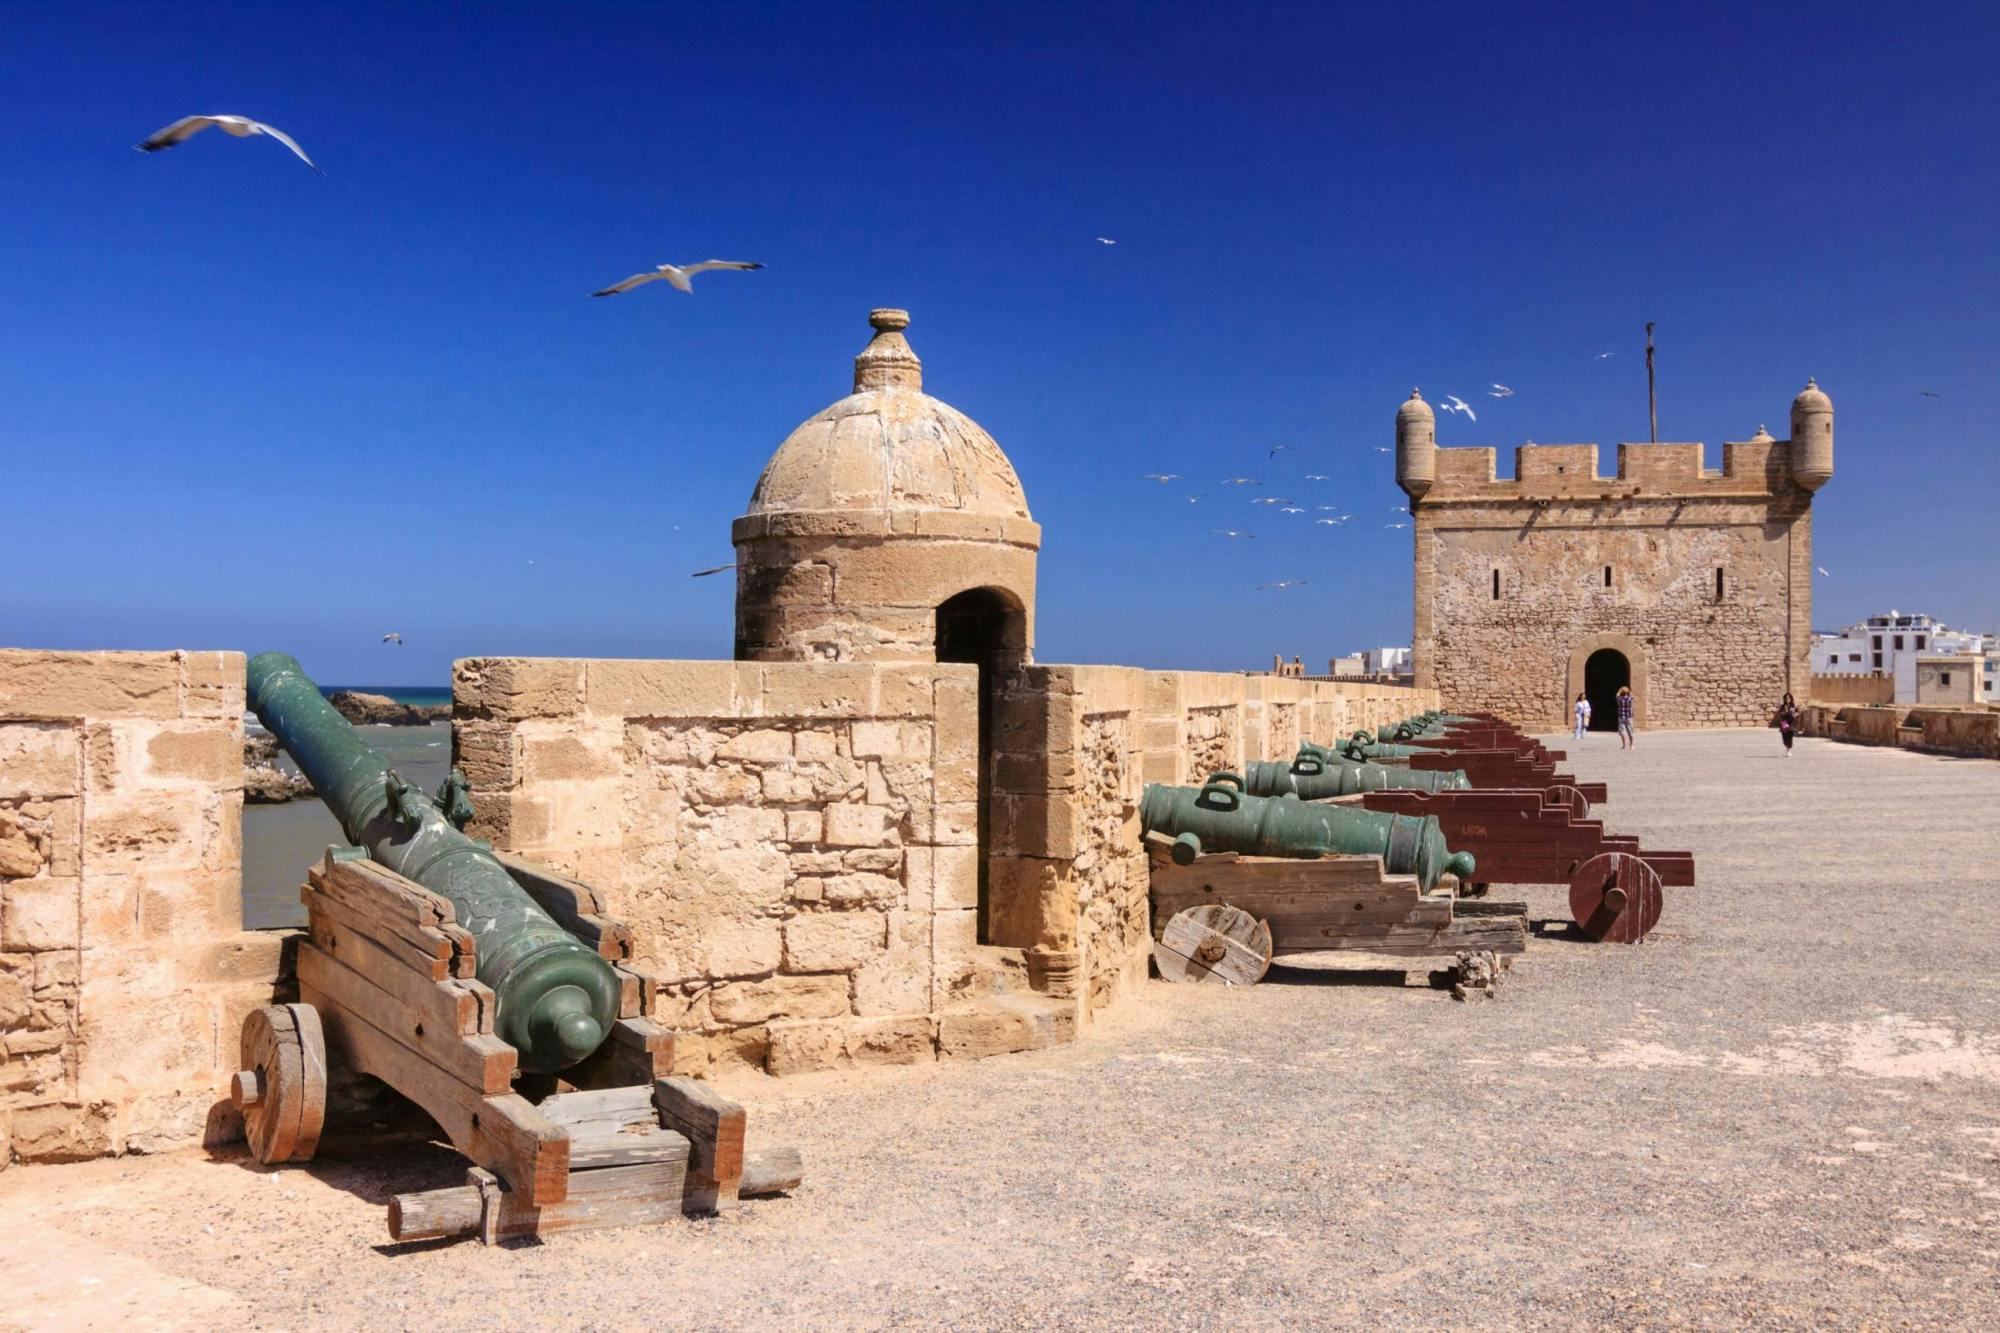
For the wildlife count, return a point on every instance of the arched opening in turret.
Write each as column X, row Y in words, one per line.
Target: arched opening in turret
column 1605, row 672
column 988, row 628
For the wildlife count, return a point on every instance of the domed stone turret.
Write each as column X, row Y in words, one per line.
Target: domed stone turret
column 1416, row 446
column 1812, row 437
column 874, row 514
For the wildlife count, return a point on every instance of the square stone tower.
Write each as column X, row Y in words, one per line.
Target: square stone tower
column 1690, row 585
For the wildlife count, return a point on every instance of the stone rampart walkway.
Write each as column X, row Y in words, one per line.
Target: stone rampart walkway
column 1783, row 1109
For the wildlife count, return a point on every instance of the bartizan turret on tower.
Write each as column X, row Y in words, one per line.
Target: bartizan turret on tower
column 1812, row 437
column 887, row 528
column 1416, row 446
column 1690, row 585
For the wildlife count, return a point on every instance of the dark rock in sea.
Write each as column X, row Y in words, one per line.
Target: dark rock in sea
column 264, row 783
column 368, row 709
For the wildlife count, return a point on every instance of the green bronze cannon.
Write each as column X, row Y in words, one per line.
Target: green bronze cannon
column 1222, row 817
column 556, row 997
column 1310, row 777
column 1361, row 748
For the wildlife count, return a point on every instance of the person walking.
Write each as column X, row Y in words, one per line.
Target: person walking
column 1626, row 740
column 1787, row 721
column 1582, row 714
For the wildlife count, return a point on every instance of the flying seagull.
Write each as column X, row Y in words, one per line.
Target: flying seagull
column 1282, row 583
column 1822, row 571
column 393, row 637
column 712, row 569
column 1317, row 476
column 1291, row 509
column 241, row 126
column 1241, row 481
column 1400, row 509
column 1106, row 240
column 1499, row 391
column 1162, row 477
column 679, row 275
column 1381, row 449
column 1330, row 522
column 1226, row 532
column 1270, row 500
column 1453, row 403
column 1395, row 525
column 1330, row 509
column 1601, row 355
column 1276, row 449
column 1926, row 393
column 1194, row 499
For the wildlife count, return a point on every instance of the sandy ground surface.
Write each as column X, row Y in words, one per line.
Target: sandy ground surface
column 1783, row 1109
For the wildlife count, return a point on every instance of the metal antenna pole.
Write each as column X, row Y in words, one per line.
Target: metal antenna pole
column 1652, row 397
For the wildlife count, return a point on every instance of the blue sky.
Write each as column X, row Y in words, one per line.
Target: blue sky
column 249, row 407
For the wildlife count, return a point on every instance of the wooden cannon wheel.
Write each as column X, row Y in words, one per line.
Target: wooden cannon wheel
column 1214, row 942
column 1615, row 897
column 1567, row 798
column 281, row 1088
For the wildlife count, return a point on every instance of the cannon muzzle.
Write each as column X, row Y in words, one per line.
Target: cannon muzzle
column 556, row 997
column 1222, row 817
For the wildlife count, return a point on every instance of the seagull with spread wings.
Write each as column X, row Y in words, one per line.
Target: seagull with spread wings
column 1226, row 532
column 1241, row 481
column 1453, row 403
column 393, row 637
column 1499, row 391
column 1395, row 525
column 1162, row 477
column 712, row 569
column 1270, row 500
column 1317, row 476
column 1277, row 449
column 1822, row 571
column 1282, row 583
column 241, row 126
column 679, row 276
column 1106, row 240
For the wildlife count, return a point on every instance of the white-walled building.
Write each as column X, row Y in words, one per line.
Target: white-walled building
column 1889, row 645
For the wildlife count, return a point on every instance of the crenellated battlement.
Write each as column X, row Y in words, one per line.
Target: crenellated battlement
column 1753, row 468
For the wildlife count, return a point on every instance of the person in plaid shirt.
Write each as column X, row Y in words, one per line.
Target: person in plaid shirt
column 1625, row 739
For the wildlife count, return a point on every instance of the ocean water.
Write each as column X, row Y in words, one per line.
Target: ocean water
column 281, row 841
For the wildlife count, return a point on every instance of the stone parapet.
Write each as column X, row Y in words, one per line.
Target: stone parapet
column 1972, row 731
column 124, row 972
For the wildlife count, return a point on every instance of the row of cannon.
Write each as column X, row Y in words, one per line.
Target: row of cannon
column 1445, row 794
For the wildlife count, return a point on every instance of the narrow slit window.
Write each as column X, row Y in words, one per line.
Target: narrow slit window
column 1718, row 583
column 1607, row 576
column 1496, row 585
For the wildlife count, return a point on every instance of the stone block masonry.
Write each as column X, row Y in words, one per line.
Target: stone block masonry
column 124, row 973
column 785, row 839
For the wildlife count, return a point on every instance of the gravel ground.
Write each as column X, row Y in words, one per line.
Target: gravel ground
column 1782, row 1109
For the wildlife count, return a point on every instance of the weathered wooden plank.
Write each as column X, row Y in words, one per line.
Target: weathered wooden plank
column 427, row 1027
column 500, row 1131
column 621, row 1106
column 576, row 906
column 328, row 924
column 369, row 887
column 601, row 1144
column 1500, row 934
column 714, row 1125
column 419, row 940
column 417, row 986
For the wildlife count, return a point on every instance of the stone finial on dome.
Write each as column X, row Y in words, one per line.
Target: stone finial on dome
column 1415, row 408
column 1763, row 435
column 887, row 362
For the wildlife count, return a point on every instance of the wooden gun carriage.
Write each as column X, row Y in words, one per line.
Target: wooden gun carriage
column 387, row 986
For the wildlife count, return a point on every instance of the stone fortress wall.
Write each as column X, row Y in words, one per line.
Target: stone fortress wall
column 124, row 971
column 796, row 844
column 1700, row 578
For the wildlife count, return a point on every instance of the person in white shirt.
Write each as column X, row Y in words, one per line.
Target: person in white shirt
column 1582, row 715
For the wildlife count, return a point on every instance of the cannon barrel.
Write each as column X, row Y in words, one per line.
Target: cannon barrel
column 1358, row 751
column 1312, row 778
column 1221, row 817
column 556, row 998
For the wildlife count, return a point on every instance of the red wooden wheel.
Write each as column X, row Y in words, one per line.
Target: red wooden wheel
column 1615, row 897
column 1567, row 798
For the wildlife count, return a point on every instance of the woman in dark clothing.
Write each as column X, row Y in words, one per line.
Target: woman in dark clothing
column 1788, row 721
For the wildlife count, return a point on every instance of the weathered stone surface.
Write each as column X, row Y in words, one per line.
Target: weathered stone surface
column 20, row 851
column 511, row 688
column 64, row 1133
column 854, row 825
column 363, row 710
column 38, row 759
column 780, row 997
column 833, row 941
column 39, row 914
column 65, row 686
column 1005, row 1024
column 744, row 948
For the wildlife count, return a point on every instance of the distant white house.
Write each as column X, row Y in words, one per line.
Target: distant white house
column 1889, row 645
